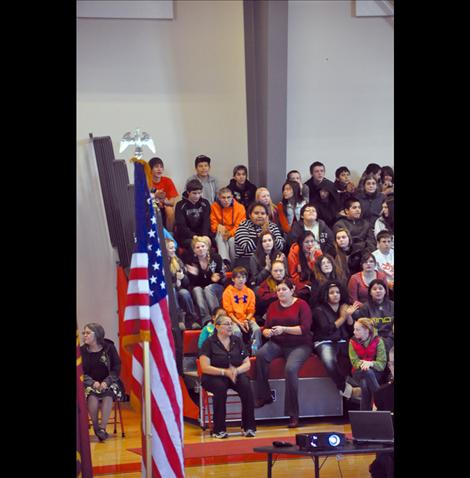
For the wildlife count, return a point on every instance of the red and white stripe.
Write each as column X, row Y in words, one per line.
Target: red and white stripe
column 166, row 397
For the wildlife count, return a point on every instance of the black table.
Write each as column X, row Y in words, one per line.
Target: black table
column 348, row 449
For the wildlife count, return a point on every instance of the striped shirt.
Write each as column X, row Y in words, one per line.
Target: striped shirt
column 246, row 238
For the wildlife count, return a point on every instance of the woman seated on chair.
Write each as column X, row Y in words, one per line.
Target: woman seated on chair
column 101, row 368
column 287, row 326
column 224, row 363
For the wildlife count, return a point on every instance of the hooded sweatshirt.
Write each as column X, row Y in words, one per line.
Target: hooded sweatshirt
column 324, row 235
column 360, row 230
column 328, row 208
column 209, row 187
column 192, row 219
column 371, row 205
column 244, row 196
column 230, row 217
column 382, row 315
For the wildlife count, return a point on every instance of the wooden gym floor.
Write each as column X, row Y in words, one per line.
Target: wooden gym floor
column 115, row 457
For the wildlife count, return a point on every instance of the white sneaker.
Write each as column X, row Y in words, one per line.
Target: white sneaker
column 346, row 393
column 249, row 433
column 220, row 435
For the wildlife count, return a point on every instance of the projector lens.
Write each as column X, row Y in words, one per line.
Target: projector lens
column 334, row 440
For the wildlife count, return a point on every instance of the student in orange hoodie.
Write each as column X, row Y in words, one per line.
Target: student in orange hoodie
column 239, row 302
column 301, row 258
column 226, row 215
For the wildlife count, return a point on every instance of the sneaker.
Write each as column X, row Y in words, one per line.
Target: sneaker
column 249, row 433
column 195, row 326
column 181, row 326
column 220, row 435
column 101, row 434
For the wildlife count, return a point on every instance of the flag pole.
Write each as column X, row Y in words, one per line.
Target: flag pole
column 147, row 411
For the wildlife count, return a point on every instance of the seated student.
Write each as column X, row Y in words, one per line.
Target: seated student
column 325, row 270
column 290, row 206
column 192, row 215
column 360, row 229
column 347, row 255
column 371, row 200
column 239, row 302
column 386, row 219
column 267, row 291
column 202, row 164
column 294, row 175
column 332, row 326
column 247, row 234
column 301, row 259
column 242, row 190
column 184, row 301
column 384, row 256
column 368, row 358
column 376, row 171
column 163, row 192
column 358, row 284
column 226, row 215
column 317, row 172
column 264, row 255
column 380, row 309
column 387, row 177
column 309, row 222
column 101, row 369
column 263, row 196
column 327, row 202
column 206, row 275
column 343, row 183
column 209, row 328
column 288, row 324
column 224, row 363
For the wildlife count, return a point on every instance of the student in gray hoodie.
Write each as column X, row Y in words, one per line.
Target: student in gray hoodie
column 210, row 187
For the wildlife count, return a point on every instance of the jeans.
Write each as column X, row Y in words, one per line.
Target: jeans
column 329, row 353
column 207, row 299
column 226, row 248
column 295, row 358
column 369, row 382
column 218, row 386
column 185, row 301
column 255, row 333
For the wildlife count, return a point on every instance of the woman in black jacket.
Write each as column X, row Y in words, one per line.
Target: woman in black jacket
column 101, row 368
column 206, row 273
column 332, row 327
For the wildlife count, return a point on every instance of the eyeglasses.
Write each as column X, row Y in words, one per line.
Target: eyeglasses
column 226, row 323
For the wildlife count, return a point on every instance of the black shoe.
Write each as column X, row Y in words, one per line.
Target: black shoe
column 259, row 402
column 228, row 265
column 293, row 422
column 101, row 434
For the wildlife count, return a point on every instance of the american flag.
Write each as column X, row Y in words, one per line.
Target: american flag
column 147, row 319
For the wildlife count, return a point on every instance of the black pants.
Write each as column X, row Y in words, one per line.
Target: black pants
column 219, row 385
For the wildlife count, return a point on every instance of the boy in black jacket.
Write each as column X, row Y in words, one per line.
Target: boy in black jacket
column 192, row 215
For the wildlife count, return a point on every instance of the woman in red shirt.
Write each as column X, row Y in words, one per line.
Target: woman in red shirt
column 287, row 327
column 358, row 285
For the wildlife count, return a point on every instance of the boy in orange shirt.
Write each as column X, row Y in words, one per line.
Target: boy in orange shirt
column 226, row 215
column 239, row 302
column 163, row 192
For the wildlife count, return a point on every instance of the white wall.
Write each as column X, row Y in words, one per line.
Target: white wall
column 183, row 82
column 339, row 88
